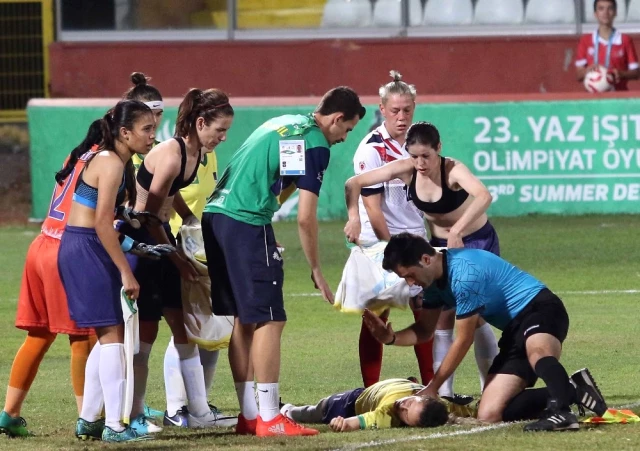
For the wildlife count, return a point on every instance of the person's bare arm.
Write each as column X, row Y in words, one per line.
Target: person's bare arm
column 373, row 205
column 308, row 232
column 463, row 177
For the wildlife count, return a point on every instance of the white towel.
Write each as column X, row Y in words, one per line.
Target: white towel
column 131, row 347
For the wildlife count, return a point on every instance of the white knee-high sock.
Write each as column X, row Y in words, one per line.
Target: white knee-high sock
column 442, row 341
column 173, row 382
column 93, row 401
column 268, row 395
column 485, row 347
column 140, row 375
column 247, row 399
column 193, row 376
column 209, row 360
column 112, row 375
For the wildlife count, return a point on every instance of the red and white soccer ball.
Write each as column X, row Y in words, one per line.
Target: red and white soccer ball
column 599, row 80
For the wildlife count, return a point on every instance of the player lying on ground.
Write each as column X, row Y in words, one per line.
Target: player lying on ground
column 478, row 284
column 385, row 404
column 396, row 403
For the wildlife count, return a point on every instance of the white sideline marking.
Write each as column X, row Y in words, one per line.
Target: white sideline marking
column 586, row 292
column 601, row 292
column 475, row 430
column 425, row 437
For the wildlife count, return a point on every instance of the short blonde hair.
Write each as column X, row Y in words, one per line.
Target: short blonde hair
column 397, row 86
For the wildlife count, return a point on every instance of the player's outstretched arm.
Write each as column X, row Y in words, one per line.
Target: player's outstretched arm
column 308, row 231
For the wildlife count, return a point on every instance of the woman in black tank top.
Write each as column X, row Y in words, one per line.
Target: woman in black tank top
column 438, row 186
column 441, row 188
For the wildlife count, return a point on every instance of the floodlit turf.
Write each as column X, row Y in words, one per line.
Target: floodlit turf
column 578, row 257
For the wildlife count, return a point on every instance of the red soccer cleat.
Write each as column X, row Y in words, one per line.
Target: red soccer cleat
column 246, row 427
column 281, row 425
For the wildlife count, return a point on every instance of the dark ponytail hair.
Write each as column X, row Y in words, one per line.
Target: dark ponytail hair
column 124, row 114
column 424, row 133
column 209, row 105
column 141, row 90
column 94, row 136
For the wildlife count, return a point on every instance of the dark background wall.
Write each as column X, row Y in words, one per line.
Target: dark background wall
column 299, row 68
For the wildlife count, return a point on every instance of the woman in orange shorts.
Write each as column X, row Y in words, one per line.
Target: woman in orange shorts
column 42, row 305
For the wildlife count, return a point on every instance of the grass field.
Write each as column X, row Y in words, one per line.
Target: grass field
column 590, row 261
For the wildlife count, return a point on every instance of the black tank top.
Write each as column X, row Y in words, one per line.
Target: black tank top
column 449, row 201
column 145, row 177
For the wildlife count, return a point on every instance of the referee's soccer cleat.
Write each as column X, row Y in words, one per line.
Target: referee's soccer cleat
column 143, row 426
column 178, row 420
column 461, row 400
column 89, row 430
column 13, row 426
column 126, row 435
column 587, row 393
column 554, row 419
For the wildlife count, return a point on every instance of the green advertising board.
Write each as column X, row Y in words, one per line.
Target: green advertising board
column 555, row 157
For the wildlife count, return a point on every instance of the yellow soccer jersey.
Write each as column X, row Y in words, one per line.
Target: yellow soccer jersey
column 468, row 411
column 374, row 407
column 196, row 194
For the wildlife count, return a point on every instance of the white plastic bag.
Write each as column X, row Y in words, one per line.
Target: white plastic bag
column 365, row 284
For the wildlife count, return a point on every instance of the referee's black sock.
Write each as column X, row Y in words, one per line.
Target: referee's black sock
column 556, row 378
column 526, row 405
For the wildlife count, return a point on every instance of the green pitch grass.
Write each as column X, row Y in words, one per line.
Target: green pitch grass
column 587, row 260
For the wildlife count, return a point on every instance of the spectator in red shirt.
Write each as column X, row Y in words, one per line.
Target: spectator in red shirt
column 607, row 47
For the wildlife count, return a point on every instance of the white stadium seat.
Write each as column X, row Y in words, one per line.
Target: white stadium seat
column 633, row 13
column 550, row 11
column 499, row 12
column 388, row 13
column 448, row 12
column 346, row 14
column 588, row 10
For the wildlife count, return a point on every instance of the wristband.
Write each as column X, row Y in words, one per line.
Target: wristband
column 393, row 340
column 128, row 243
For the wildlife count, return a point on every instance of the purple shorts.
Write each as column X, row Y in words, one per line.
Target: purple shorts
column 90, row 279
column 484, row 238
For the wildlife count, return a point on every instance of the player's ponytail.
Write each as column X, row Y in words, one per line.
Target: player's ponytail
column 94, row 136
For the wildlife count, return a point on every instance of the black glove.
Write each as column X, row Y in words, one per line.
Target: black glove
column 154, row 252
column 136, row 219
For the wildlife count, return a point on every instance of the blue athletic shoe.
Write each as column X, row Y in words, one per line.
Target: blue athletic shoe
column 87, row 430
column 179, row 419
column 143, row 426
column 13, row 426
column 152, row 413
column 127, row 435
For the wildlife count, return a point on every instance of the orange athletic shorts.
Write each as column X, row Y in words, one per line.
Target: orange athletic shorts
column 43, row 303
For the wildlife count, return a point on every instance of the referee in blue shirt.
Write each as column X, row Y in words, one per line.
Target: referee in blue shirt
column 533, row 321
